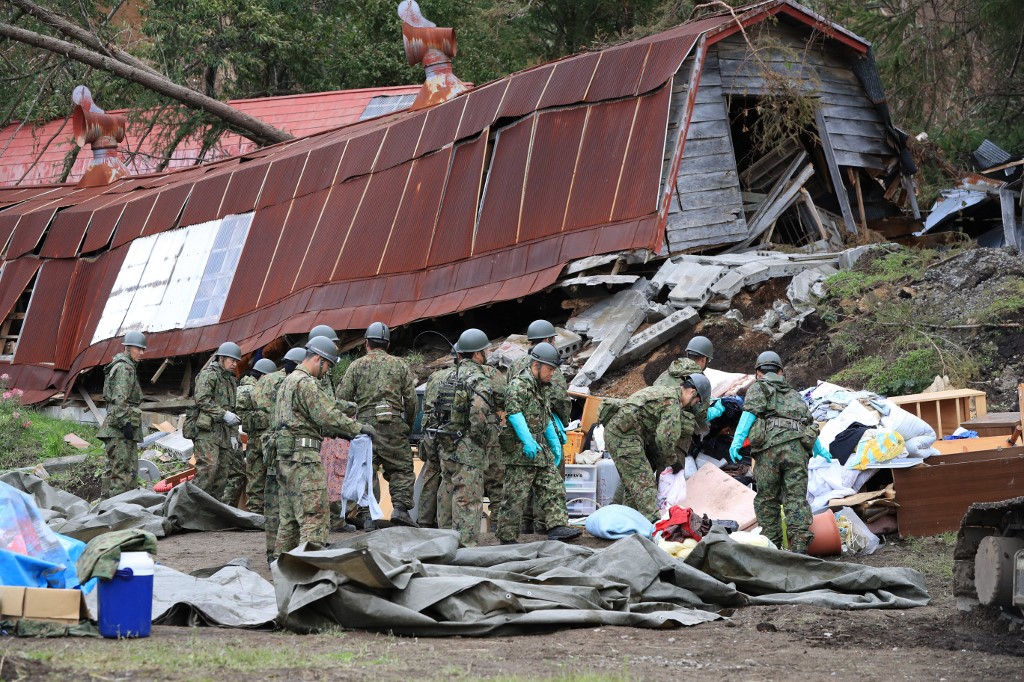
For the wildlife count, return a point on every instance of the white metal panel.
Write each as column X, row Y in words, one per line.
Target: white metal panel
column 220, row 270
column 124, row 288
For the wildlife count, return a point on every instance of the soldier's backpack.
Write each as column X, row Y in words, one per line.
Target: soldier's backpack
column 191, row 429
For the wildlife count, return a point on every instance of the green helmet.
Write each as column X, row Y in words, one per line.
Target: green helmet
column 265, row 366
column 296, row 355
column 137, row 339
column 323, row 330
column 378, row 331
column 229, row 350
column 540, row 330
column 767, row 359
column 701, row 345
column 546, row 354
column 471, row 341
column 701, row 383
column 324, row 347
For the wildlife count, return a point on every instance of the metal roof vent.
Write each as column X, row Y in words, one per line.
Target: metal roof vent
column 433, row 47
column 103, row 131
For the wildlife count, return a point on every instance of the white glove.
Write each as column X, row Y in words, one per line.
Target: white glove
column 231, row 419
column 234, row 443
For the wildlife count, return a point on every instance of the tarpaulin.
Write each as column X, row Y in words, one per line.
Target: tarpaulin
column 419, row 582
column 31, row 554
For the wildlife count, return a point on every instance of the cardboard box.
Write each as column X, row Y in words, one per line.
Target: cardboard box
column 49, row 605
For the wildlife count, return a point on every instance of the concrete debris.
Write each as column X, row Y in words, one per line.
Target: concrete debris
column 768, row 322
column 644, row 342
column 658, row 311
column 58, row 464
column 177, row 445
column 808, row 287
column 734, row 315
column 595, row 280
column 693, row 285
column 516, row 346
column 591, row 262
column 784, row 310
column 606, row 318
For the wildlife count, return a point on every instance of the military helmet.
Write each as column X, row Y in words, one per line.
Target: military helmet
column 703, row 386
column 323, row 330
column 378, row 331
column 324, row 347
column 701, row 345
column 546, row 354
column 229, row 350
column 265, row 366
column 768, row 358
column 296, row 355
column 540, row 330
column 137, row 339
column 471, row 341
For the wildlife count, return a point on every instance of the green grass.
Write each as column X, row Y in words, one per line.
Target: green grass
column 1007, row 301
column 932, row 555
column 44, row 439
column 903, row 265
column 910, row 372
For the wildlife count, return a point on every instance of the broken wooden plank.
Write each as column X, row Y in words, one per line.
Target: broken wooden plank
column 771, row 212
column 92, row 406
column 833, row 170
column 1008, row 204
column 855, row 181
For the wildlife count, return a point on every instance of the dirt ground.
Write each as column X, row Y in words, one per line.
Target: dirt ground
column 755, row 643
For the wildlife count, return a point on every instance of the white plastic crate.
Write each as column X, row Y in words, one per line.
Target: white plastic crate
column 583, row 503
column 580, row 477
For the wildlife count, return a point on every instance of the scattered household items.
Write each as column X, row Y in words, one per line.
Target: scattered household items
column 826, row 540
column 616, row 521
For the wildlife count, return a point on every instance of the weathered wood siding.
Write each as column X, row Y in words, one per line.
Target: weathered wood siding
column 707, row 208
column 854, row 125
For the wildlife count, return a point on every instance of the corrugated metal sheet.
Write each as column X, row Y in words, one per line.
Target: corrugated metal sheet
column 618, row 74
column 101, row 227
column 555, row 148
column 287, row 261
column 638, row 185
column 419, row 210
column 42, row 321
column 441, row 125
column 13, row 280
column 168, row 208
column 570, row 80
column 29, row 231
column 503, row 190
column 402, row 137
column 134, row 218
column 321, row 168
column 205, row 201
column 525, row 92
column 453, row 234
column 362, row 250
column 480, row 109
column 264, row 236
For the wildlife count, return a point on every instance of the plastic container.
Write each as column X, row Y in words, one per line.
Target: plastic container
column 581, row 503
column 126, row 600
column 827, row 541
column 607, row 481
column 580, row 477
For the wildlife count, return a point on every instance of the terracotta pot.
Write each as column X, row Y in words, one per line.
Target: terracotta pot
column 826, row 540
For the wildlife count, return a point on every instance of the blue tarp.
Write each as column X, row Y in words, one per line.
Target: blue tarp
column 32, row 555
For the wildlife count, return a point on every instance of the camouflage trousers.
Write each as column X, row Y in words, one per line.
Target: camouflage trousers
column 121, row 469
column 460, row 498
column 303, row 508
column 493, row 483
column 781, row 476
column 255, row 474
column 426, row 511
column 271, row 512
column 638, row 486
column 535, row 514
column 220, row 469
column 548, row 490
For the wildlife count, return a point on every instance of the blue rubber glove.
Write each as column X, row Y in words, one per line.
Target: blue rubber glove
column 716, row 410
column 821, row 451
column 530, row 445
column 560, row 428
column 551, row 436
column 742, row 429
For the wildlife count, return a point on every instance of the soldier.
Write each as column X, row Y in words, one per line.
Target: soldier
column 384, row 390
column 303, row 416
column 466, row 414
column 327, row 380
column 648, row 432
column 529, row 465
column 783, row 437
column 699, row 351
column 220, row 470
column 265, row 399
column 120, row 430
column 426, row 512
column 254, row 423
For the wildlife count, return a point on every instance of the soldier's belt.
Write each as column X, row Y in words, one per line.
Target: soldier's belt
column 785, row 423
column 313, row 443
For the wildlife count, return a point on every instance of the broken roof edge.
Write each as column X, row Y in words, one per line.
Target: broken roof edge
column 756, row 12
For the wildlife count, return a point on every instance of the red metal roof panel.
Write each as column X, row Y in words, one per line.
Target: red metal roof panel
column 65, row 235
column 442, row 124
column 329, row 297
column 640, row 178
column 29, row 231
column 204, row 202
column 101, row 227
column 168, row 208
column 264, row 233
column 362, row 252
column 600, row 160
column 453, row 237
column 244, row 189
column 94, row 310
column 617, row 237
column 324, row 248
column 524, row 92
column 366, row 292
column 578, row 244
column 474, row 272
column 42, row 321
column 480, row 109
column 570, row 80
column 543, row 254
column 618, row 74
column 85, row 282
column 510, row 264
column 664, row 60
column 443, row 305
column 134, row 218
column 417, row 215
column 482, row 295
column 400, row 288
column 503, row 191
column 437, row 281
column 400, row 141
column 360, row 155
column 322, row 167
column 281, row 270
column 282, row 179
column 555, row 148
column 8, row 221
column 15, row 277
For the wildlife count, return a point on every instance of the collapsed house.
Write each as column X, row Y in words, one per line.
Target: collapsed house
column 482, row 197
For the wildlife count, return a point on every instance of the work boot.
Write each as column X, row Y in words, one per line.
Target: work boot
column 428, row 525
column 564, row 533
column 526, row 527
column 400, row 517
column 369, row 524
column 510, row 542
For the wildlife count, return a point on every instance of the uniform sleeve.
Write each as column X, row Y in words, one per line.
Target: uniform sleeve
column 119, row 412
column 755, row 401
column 515, row 397
column 346, row 388
column 206, row 396
column 481, row 412
column 560, row 399
column 411, row 399
column 321, row 410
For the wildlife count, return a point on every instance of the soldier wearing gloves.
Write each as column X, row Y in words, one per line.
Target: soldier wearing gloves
column 783, row 437
column 648, row 432
column 121, row 428
column 304, row 415
column 254, row 423
column 532, row 452
column 220, row 469
column 699, row 351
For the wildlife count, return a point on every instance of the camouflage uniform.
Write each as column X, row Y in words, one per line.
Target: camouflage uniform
column 122, row 393
column 494, row 474
column 540, row 476
column 220, row 470
column 673, row 377
column 464, row 459
column 255, row 423
column 384, row 390
column 783, row 421
column 303, row 416
column 265, row 399
column 648, row 433
column 426, row 513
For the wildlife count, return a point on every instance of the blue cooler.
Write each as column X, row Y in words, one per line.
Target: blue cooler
column 126, row 600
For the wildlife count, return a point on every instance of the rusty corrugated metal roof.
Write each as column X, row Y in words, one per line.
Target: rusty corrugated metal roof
column 389, row 219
